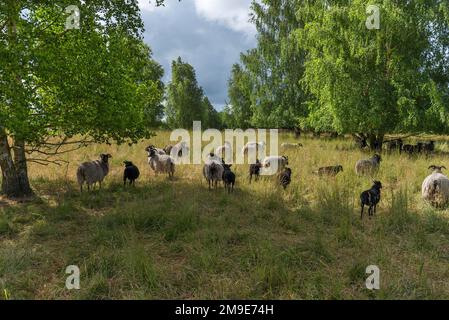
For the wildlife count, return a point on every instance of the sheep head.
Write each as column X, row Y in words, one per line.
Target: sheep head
column 377, row 184
column 128, row 163
column 437, row 169
column 105, row 157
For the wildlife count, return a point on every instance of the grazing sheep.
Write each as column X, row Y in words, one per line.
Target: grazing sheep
column 131, row 173
column 329, row 171
column 291, row 145
column 371, row 198
column 228, row 178
column 395, row 145
column 285, row 177
column 368, row 166
column 435, row 188
column 253, row 148
column 158, row 150
column 254, row 169
column 160, row 163
column 225, row 151
column 275, row 164
column 213, row 170
column 93, row 171
column 428, row 147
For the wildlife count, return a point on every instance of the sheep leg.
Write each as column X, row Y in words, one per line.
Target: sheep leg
column 209, row 183
column 361, row 213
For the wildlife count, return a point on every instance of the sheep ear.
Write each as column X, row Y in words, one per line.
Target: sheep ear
column 432, row 167
column 442, row 167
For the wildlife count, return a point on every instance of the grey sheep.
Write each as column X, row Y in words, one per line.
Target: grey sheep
column 368, row 166
column 93, row 171
column 160, row 163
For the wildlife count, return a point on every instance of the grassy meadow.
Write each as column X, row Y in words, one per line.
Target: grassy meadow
column 174, row 239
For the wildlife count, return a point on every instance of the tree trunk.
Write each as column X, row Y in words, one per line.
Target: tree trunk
column 14, row 184
column 20, row 163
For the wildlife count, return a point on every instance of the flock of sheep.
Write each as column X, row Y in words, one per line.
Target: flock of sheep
column 435, row 188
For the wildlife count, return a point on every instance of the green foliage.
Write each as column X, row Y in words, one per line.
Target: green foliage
column 98, row 81
column 376, row 81
column 266, row 86
column 186, row 101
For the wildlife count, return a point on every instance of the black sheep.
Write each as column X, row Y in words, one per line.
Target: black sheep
column 285, row 177
column 228, row 178
column 254, row 169
column 371, row 198
column 131, row 173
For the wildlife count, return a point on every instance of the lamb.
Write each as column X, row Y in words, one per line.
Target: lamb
column 285, row 177
column 131, row 173
column 291, row 145
column 228, row 178
column 275, row 164
column 160, row 163
column 254, row 170
column 435, row 188
column 371, row 198
column 368, row 166
column 329, row 171
column 93, row 172
column 225, row 151
column 213, row 171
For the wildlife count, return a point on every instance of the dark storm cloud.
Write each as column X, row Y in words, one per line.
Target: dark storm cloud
column 211, row 47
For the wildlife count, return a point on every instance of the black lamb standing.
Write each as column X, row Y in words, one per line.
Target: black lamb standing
column 131, row 173
column 254, row 170
column 285, row 177
column 371, row 198
column 228, row 178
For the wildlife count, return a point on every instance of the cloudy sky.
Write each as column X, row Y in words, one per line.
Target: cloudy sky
column 208, row 34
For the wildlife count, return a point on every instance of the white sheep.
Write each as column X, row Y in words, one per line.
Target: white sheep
column 213, row 170
column 93, row 171
column 435, row 188
column 160, row 163
column 368, row 166
column 274, row 164
column 225, row 151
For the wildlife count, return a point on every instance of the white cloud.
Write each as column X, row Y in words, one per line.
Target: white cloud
column 234, row 14
column 145, row 5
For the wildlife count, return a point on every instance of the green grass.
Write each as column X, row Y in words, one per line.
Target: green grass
column 176, row 240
